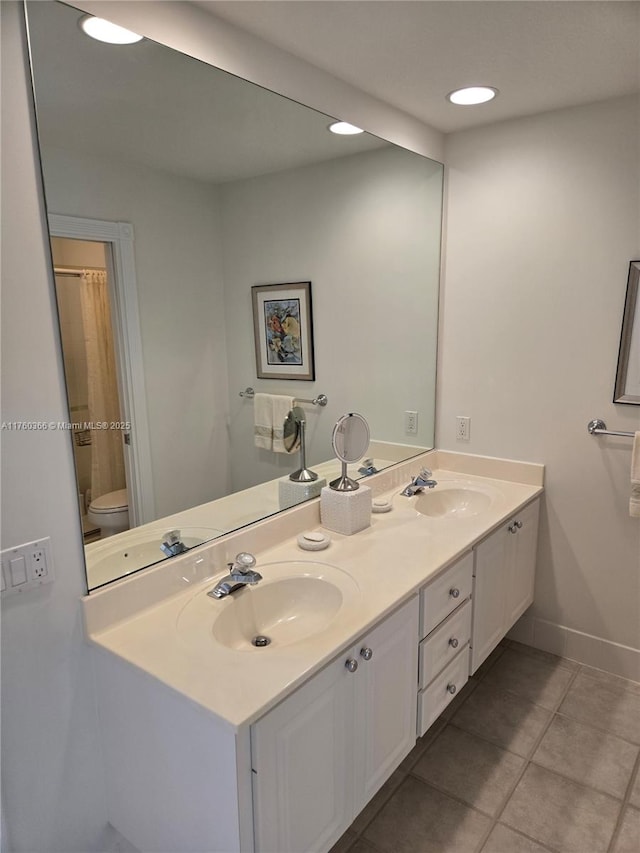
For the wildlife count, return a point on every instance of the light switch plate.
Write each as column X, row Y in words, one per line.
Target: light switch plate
column 26, row 566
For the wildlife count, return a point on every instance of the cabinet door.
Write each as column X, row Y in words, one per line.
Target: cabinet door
column 521, row 560
column 386, row 687
column 489, row 596
column 302, row 763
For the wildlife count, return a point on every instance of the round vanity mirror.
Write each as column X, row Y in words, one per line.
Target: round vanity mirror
column 350, row 442
column 291, row 429
column 293, row 437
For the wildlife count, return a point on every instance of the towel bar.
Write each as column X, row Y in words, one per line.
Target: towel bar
column 320, row 400
column 598, row 427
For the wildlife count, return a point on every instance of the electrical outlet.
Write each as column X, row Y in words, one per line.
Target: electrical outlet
column 463, row 428
column 26, row 566
column 37, row 563
column 411, row 423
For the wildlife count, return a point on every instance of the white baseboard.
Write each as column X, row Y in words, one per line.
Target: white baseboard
column 575, row 645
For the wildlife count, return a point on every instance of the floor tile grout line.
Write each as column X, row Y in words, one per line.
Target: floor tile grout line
column 542, row 844
column 532, row 751
column 625, row 803
column 452, row 796
column 530, row 652
column 600, row 729
column 586, row 670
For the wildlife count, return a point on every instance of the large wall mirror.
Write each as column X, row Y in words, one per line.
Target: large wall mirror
column 172, row 188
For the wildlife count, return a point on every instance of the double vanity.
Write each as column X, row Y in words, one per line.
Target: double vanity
column 265, row 720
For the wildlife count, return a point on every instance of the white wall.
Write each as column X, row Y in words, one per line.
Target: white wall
column 51, row 787
column 543, row 218
column 180, row 296
column 365, row 230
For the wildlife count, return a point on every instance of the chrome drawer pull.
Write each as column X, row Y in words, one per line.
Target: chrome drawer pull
column 454, row 592
column 451, row 688
column 366, row 653
column 351, row 664
column 453, row 643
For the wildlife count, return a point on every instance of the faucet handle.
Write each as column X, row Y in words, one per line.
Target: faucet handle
column 243, row 562
column 425, row 473
column 171, row 537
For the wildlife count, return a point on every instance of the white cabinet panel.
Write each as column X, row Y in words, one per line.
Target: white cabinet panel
column 301, row 760
column 489, row 591
column 385, row 700
column 320, row 755
column 503, row 581
column 521, row 559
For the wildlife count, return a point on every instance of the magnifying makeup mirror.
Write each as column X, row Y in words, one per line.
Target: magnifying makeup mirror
column 350, row 441
column 293, row 435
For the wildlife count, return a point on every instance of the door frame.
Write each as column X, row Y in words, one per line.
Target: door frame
column 125, row 315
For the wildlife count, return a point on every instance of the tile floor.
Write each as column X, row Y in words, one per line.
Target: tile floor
column 536, row 754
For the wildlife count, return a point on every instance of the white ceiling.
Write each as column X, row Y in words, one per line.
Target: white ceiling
column 153, row 106
column 541, row 55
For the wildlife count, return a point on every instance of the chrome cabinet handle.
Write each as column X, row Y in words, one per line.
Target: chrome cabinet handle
column 515, row 526
column 454, row 592
column 351, row 664
column 453, row 643
column 366, row 653
column 519, row 525
column 451, row 688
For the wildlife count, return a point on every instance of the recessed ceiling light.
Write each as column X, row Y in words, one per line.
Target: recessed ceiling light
column 105, row 31
column 472, row 95
column 344, row 128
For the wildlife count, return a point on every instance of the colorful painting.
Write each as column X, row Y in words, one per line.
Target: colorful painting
column 283, row 331
column 282, row 320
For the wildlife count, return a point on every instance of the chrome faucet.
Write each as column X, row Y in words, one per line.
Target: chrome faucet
column 419, row 483
column 172, row 543
column 240, row 574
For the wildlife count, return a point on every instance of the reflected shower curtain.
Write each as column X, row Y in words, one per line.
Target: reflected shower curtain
column 107, row 459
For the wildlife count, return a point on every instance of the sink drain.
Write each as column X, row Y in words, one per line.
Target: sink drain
column 260, row 640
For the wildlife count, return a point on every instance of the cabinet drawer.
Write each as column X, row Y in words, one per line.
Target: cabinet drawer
column 444, row 643
column 434, row 699
column 441, row 597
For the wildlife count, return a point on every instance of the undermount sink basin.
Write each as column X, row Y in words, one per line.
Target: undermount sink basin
column 294, row 601
column 455, row 500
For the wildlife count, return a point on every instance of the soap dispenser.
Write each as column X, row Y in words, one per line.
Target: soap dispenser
column 345, row 505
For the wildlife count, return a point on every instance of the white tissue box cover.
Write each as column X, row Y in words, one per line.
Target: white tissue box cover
column 345, row 512
column 290, row 493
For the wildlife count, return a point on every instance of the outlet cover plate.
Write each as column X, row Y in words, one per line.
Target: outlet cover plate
column 26, row 566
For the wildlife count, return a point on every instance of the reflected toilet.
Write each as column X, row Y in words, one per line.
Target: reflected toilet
column 110, row 512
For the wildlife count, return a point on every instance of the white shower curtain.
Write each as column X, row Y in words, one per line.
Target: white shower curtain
column 107, row 459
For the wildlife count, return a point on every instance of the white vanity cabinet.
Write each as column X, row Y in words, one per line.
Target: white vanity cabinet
column 321, row 755
column 503, row 580
column 445, row 629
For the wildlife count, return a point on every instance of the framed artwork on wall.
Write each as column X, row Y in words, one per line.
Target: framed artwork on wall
column 283, row 329
column 627, row 388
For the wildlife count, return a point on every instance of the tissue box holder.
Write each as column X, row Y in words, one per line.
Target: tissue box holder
column 345, row 512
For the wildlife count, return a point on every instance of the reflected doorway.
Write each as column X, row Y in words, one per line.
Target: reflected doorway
column 91, row 370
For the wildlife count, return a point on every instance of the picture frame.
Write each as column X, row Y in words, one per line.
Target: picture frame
column 627, row 386
column 283, row 331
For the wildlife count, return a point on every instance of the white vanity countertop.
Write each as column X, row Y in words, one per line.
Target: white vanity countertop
column 389, row 562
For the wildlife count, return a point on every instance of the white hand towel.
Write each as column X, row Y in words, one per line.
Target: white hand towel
column 634, row 500
column 270, row 411
column 263, row 421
